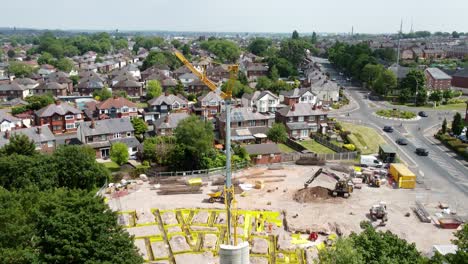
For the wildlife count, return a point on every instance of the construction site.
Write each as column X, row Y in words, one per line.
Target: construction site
column 287, row 213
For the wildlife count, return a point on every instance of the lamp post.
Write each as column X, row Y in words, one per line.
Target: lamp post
column 416, row 94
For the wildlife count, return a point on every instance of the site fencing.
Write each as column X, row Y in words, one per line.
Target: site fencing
column 200, row 173
column 290, row 157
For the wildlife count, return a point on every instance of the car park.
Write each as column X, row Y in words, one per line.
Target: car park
column 388, row 129
column 422, row 152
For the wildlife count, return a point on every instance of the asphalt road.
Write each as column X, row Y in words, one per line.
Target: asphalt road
column 440, row 175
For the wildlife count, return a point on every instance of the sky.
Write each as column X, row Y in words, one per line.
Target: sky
column 366, row 16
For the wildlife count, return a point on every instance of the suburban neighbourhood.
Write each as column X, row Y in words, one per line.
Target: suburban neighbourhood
column 123, row 146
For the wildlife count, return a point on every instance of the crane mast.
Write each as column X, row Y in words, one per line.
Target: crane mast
column 227, row 96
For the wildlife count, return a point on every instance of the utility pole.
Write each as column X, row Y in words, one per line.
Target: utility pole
column 399, row 44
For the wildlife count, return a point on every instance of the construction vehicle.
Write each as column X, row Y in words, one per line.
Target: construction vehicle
column 372, row 180
column 379, row 211
column 216, row 197
column 228, row 192
column 342, row 187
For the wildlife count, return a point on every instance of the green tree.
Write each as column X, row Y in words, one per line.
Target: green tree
column 158, row 149
column 436, row 96
column 176, row 43
column 20, row 144
column 421, row 97
column 457, row 124
column 263, row 83
column 36, row 102
column 385, row 83
column 313, row 39
column 140, row 126
column 20, row 69
column 242, row 78
column 295, row 35
column 455, row 34
column 119, row 153
column 238, row 89
column 447, row 95
column 186, row 50
column 414, row 80
column 194, row 140
column 343, row 252
column 370, row 73
column 444, row 126
column 277, row 133
column 45, row 58
column 259, row 46
column 284, row 66
column 225, row 50
column 11, row 53
column 64, row 64
column 103, row 94
column 161, row 58
column 153, row 89
column 294, row 50
column 76, row 167
column 274, row 74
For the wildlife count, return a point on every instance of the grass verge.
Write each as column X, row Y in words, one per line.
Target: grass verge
column 366, row 139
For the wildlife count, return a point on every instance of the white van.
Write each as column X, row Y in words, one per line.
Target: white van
column 370, row 161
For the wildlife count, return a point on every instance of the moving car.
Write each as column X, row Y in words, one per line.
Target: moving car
column 422, row 152
column 388, row 129
column 422, row 114
column 402, row 141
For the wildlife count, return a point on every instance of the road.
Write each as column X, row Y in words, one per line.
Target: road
column 441, row 175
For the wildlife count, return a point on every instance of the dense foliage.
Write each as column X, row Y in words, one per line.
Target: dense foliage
column 153, row 89
column 225, row 50
column 20, row 69
column 161, row 58
column 259, row 46
column 119, row 153
column 277, row 133
column 61, row 226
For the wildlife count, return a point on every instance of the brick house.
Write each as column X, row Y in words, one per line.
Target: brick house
column 41, row 136
column 164, row 126
column 460, row 79
column 196, row 86
column 302, row 119
column 131, row 87
column 61, row 78
column 263, row 101
column 54, row 88
column 114, row 107
column 247, row 125
column 436, row 79
column 60, row 117
column 88, row 85
column 13, row 90
column 264, row 153
column 218, row 72
column 209, row 105
column 255, row 70
column 298, row 95
column 101, row 134
column 9, row 122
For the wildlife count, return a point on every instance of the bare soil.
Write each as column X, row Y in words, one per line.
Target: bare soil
column 307, row 195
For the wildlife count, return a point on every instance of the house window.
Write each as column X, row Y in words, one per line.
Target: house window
column 239, row 124
column 322, row 118
column 124, row 110
column 103, row 137
column 78, row 116
column 117, row 135
column 175, row 105
column 50, row 144
column 132, row 109
column 90, row 139
column 252, row 123
column 163, row 131
column 69, row 117
column 303, row 99
column 70, row 126
column 203, row 103
column 129, row 134
column 56, row 118
column 290, row 119
column 102, row 111
column 213, row 112
column 134, row 149
column 55, row 128
column 304, row 133
column 271, row 101
column 300, row 119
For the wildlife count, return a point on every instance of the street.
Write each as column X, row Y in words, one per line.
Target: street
column 441, row 175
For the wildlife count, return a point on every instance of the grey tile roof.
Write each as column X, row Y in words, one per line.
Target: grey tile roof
column 168, row 99
column 400, row 72
column 107, row 126
column 60, row 109
column 12, row 87
column 6, row 116
column 127, row 83
column 262, row 149
column 436, row 73
column 301, row 109
column 51, row 86
column 14, row 102
column 32, row 133
column 25, row 81
column 296, row 92
column 170, row 121
column 325, row 86
column 129, row 141
column 90, row 84
column 211, row 96
column 461, row 73
column 243, row 114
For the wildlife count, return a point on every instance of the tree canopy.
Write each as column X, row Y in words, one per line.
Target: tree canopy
column 140, row 126
column 20, row 69
column 119, row 153
column 20, row 144
column 153, row 89
column 161, row 58
column 259, row 46
column 225, row 50
column 277, row 133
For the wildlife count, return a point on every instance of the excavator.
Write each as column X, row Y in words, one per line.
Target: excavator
column 342, row 186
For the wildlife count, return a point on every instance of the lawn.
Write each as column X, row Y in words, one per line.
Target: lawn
column 364, row 138
column 142, row 105
column 285, row 149
column 316, row 147
column 112, row 166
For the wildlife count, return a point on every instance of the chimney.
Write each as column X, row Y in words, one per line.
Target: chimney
column 39, row 130
column 293, row 107
column 115, row 96
column 166, row 93
column 57, row 102
column 166, row 119
column 93, row 125
column 7, row 134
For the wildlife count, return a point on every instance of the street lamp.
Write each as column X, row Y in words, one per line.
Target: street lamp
column 416, row 94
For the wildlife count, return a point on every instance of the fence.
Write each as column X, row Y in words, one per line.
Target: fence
column 326, row 143
column 294, row 145
column 201, row 173
column 330, row 156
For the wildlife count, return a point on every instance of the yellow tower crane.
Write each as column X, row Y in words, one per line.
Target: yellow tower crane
column 227, row 96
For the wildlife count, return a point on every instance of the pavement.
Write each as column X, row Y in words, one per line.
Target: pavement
column 443, row 174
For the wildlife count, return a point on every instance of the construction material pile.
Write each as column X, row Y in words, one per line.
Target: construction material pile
column 307, row 195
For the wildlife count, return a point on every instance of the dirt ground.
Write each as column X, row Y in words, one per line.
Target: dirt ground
column 324, row 214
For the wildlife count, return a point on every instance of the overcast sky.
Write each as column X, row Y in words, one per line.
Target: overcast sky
column 367, row 16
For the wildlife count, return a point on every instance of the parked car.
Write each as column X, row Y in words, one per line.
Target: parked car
column 422, row 152
column 388, row 129
column 402, row 141
column 370, row 161
column 422, row 114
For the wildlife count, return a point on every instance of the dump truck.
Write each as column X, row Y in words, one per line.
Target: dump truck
column 403, row 177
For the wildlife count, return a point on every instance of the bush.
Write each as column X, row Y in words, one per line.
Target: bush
column 396, row 113
column 455, row 101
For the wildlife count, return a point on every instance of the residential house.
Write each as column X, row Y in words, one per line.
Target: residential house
column 53, row 88
column 187, row 78
column 218, row 72
column 302, row 119
column 165, row 125
column 181, row 71
column 255, row 70
column 13, row 90
column 163, row 70
column 407, row 54
column 298, row 95
column 115, row 107
column 13, row 103
column 433, row 54
column 166, row 103
column 247, row 125
column 61, row 78
column 101, row 134
column 9, row 122
column 41, row 136
column 209, row 105
column 264, row 153
column 436, row 79
column 327, row 93
column 60, row 117
column 263, row 101
column 122, row 77
column 460, row 78
column 196, row 86
column 89, row 83
column 28, row 83
column 417, row 53
column 46, row 69
column 131, row 87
